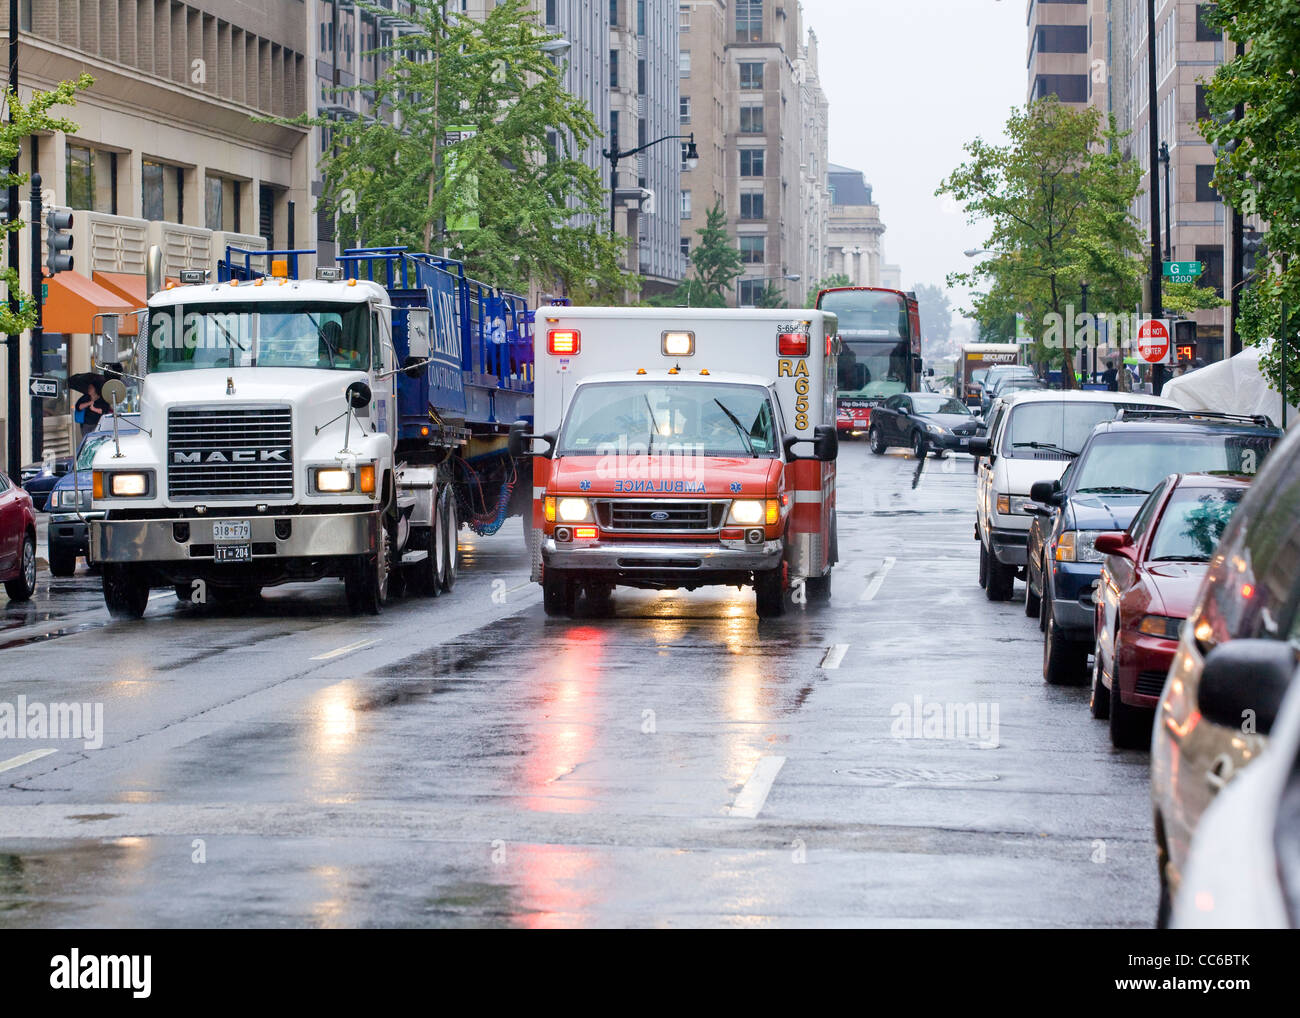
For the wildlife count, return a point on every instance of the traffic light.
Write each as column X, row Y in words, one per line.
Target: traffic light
column 58, row 241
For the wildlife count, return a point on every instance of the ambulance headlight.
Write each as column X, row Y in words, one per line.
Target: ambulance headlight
column 573, row 510
column 677, row 344
column 747, row 512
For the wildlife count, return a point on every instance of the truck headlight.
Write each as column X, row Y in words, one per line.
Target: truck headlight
column 747, row 512
column 132, row 485
column 333, row 480
column 573, row 510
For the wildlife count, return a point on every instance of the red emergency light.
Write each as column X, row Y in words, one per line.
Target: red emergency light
column 792, row 344
column 563, row 341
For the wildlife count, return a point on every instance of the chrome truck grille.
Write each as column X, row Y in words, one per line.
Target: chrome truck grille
column 230, row 454
column 660, row 516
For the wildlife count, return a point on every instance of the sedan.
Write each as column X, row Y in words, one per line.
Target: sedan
column 1148, row 587
column 17, row 541
column 923, row 422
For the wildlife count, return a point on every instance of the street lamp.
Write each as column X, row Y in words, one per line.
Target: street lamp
column 1153, row 157
column 690, row 160
column 1164, row 158
column 557, row 47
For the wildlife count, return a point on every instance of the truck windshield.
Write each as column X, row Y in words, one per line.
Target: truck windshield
column 281, row 334
column 703, row 419
column 872, row 369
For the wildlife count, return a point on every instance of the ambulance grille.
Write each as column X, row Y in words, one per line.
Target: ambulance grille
column 660, row 516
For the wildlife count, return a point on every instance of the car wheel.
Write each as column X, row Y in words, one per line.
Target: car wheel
column 1032, row 601
column 23, row 586
column 769, row 594
column 62, row 563
column 1044, row 610
column 875, row 441
column 1065, row 661
column 558, row 593
column 984, row 566
column 1001, row 580
column 1130, row 727
column 919, row 447
column 126, row 592
column 1099, row 701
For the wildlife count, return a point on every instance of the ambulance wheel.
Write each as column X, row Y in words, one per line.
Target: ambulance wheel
column 126, row 593
column 559, row 593
column 600, row 600
column 450, row 528
column 769, row 594
column 818, row 588
column 366, row 581
column 876, row 443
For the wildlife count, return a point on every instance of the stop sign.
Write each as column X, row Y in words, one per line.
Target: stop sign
column 1153, row 341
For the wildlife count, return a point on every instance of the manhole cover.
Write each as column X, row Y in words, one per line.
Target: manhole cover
column 900, row 777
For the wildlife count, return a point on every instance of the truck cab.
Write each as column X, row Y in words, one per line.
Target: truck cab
column 673, row 464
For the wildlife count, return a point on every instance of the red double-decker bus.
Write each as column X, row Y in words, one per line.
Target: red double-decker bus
column 880, row 355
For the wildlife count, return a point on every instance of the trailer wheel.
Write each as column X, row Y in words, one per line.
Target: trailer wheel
column 450, row 527
column 769, row 594
column 126, row 592
column 366, row 581
column 559, row 593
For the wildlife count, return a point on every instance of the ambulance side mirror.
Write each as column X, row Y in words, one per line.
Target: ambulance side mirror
column 519, row 444
column 825, row 443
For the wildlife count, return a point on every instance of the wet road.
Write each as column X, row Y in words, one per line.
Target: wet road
column 466, row 761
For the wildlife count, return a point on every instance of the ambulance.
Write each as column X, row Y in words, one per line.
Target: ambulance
column 676, row 448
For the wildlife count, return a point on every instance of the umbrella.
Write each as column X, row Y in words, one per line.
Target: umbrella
column 82, row 381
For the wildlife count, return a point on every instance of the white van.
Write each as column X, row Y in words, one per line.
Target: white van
column 1032, row 436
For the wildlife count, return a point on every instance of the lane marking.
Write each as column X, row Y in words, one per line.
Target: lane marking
column 340, row 651
column 18, row 761
column 750, row 801
column 834, row 655
column 876, row 578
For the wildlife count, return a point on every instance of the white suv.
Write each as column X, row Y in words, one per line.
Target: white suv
column 1032, row 436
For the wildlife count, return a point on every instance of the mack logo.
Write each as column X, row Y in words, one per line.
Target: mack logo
column 232, row 456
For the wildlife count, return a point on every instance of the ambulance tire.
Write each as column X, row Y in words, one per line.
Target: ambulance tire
column 818, row 588
column 600, row 600
column 559, row 594
column 875, row 441
column 769, row 594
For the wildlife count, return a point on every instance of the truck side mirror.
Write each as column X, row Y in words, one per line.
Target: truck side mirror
column 1047, row 492
column 411, row 366
column 825, row 441
column 357, row 394
column 519, row 444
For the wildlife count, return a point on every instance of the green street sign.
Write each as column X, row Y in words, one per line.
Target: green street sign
column 1184, row 272
column 45, row 292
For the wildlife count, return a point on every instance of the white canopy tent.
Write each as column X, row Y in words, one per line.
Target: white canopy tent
column 1232, row 386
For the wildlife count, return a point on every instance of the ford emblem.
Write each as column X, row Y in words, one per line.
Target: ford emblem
column 659, row 515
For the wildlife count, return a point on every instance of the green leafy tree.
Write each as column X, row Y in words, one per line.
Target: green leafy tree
column 771, row 297
column 715, row 261
column 510, row 197
column 1057, row 198
column 26, row 119
column 835, row 279
column 1258, row 164
column 1184, row 298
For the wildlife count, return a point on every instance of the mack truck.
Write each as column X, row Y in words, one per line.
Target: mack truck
column 289, row 429
column 679, row 448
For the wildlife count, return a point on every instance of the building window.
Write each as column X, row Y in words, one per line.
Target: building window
column 750, row 291
column 1204, row 32
column 640, row 77
column 683, row 19
column 551, row 18
column 640, row 17
column 92, row 179
column 752, row 250
column 751, row 120
column 684, row 63
column 222, row 203
column 1202, row 107
column 684, row 109
column 751, row 76
column 1069, row 88
column 613, row 13
column 613, row 68
column 1062, row 39
column 751, row 205
column 1211, row 256
column 685, row 245
column 1204, row 189
column 686, row 205
column 162, row 191
column 749, row 20
column 266, row 214
column 751, row 162
column 641, row 136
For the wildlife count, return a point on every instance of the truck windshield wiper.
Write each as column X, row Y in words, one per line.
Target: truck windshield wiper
column 1116, row 489
column 329, row 347
column 227, row 336
column 1045, row 446
column 740, row 429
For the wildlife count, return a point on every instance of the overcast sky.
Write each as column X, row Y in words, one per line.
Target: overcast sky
column 909, row 82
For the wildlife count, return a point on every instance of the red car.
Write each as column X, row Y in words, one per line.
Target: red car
column 1148, row 587
column 17, row 541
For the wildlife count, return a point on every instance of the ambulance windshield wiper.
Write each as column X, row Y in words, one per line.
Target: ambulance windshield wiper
column 650, row 448
column 740, row 428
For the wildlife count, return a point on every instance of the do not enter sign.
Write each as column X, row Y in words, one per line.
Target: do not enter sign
column 1153, row 343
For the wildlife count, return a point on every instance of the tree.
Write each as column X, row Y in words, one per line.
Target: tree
column 836, row 279
column 1058, row 202
column 510, row 197
column 1184, row 298
column 771, row 297
column 715, row 260
column 1258, row 165
column 24, row 121
column 936, row 316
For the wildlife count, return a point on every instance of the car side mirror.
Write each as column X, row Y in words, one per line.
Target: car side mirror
column 980, row 447
column 1245, row 680
column 825, row 442
column 1114, row 542
column 1047, row 492
column 519, row 443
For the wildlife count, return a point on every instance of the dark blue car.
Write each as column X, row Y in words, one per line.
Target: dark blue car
column 69, row 509
column 1102, row 490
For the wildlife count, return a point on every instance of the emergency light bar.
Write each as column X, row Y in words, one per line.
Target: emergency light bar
column 792, row 344
column 563, row 342
column 677, row 344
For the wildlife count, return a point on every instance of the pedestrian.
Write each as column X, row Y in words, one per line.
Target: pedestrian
column 90, row 408
column 1110, row 377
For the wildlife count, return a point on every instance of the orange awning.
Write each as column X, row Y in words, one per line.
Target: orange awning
column 74, row 301
column 130, row 288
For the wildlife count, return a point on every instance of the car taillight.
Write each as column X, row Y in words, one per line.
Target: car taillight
column 792, row 344
column 563, row 341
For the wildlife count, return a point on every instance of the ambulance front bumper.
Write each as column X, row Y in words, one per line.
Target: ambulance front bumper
column 633, row 557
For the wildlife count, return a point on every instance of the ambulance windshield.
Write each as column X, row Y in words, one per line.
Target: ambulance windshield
column 696, row 418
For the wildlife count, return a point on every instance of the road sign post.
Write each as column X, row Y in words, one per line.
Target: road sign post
column 43, row 387
column 1184, row 272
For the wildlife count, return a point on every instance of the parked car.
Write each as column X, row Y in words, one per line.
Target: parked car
column 1243, row 867
column 17, row 541
column 1149, row 582
column 1251, row 592
column 1102, row 489
column 922, row 421
column 39, row 478
column 1031, row 435
column 66, row 535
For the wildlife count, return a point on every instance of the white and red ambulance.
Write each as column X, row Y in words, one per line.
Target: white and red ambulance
column 684, row 447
